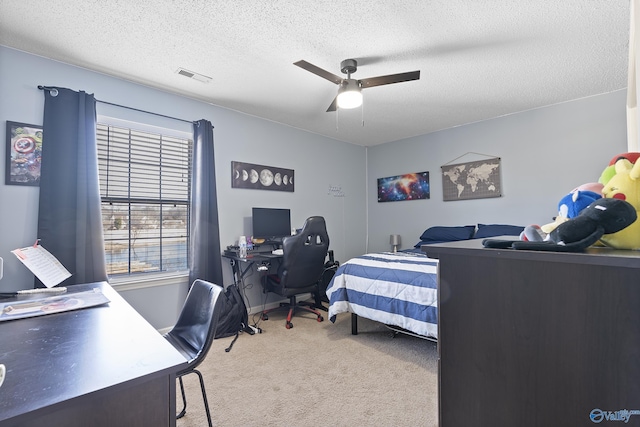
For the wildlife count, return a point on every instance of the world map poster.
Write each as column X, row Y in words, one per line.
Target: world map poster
column 471, row 180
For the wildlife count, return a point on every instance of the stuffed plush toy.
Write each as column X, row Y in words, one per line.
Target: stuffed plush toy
column 570, row 206
column 533, row 233
column 601, row 218
column 596, row 187
column 610, row 170
column 625, row 185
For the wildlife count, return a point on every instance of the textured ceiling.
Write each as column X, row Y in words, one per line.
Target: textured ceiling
column 478, row 59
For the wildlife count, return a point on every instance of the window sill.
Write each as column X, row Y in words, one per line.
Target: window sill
column 142, row 281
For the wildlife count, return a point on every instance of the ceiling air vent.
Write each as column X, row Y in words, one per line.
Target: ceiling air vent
column 199, row 77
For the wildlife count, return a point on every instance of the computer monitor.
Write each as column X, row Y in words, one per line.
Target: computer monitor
column 271, row 223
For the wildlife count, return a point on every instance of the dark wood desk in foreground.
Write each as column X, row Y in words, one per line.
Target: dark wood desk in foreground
column 530, row 338
column 97, row 366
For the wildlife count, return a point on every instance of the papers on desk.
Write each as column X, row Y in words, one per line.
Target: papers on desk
column 32, row 307
column 45, row 266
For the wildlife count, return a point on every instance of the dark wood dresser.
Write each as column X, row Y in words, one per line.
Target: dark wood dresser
column 529, row 338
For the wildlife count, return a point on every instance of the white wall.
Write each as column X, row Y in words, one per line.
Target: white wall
column 318, row 163
column 545, row 154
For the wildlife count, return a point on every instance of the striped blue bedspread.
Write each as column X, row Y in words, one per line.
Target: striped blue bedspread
column 397, row 289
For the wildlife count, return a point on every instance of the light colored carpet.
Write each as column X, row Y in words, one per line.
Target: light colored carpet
column 317, row 374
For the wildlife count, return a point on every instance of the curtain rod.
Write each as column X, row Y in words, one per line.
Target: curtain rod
column 54, row 92
column 144, row 111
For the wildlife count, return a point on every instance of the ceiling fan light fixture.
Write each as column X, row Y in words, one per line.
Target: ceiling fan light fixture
column 349, row 94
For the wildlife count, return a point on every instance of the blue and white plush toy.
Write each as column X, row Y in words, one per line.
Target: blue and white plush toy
column 570, row 206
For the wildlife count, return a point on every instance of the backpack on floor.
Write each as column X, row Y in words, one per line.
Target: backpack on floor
column 233, row 317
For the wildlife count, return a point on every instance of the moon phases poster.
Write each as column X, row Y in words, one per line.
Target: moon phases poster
column 259, row 177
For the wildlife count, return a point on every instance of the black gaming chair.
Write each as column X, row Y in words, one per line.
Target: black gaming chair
column 300, row 268
column 194, row 332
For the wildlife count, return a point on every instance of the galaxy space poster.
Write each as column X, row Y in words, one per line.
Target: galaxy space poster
column 410, row 186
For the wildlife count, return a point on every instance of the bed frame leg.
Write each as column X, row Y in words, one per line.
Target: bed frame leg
column 354, row 324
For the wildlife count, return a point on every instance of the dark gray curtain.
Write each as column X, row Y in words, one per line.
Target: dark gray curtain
column 69, row 219
column 205, row 261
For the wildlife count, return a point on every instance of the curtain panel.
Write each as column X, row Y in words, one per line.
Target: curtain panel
column 69, row 218
column 205, row 261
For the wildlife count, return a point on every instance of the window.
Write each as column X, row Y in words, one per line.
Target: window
column 145, row 180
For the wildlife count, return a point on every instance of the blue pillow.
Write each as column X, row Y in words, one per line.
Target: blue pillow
column 448, row 234
column 493, row 230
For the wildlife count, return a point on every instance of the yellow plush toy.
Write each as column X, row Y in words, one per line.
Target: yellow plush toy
column 624, row 185
column 610, row 170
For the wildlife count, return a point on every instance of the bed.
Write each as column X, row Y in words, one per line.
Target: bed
column 400, row 289
column 397, row 289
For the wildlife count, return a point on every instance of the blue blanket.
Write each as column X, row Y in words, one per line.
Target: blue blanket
column 398, row 289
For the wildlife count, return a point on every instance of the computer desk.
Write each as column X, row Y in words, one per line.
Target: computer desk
column 263, row 260
column 96, row 366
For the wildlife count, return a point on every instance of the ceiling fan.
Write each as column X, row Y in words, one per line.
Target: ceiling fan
column 350, row 90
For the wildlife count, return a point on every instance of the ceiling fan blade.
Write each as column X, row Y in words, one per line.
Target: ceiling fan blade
column 333, row 106
column 391, row 78
column 319, row 71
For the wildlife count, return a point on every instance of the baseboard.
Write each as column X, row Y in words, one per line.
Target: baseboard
column 257, row 310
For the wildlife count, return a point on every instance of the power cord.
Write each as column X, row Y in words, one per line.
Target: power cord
column 244, row 296
column 253, row 317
